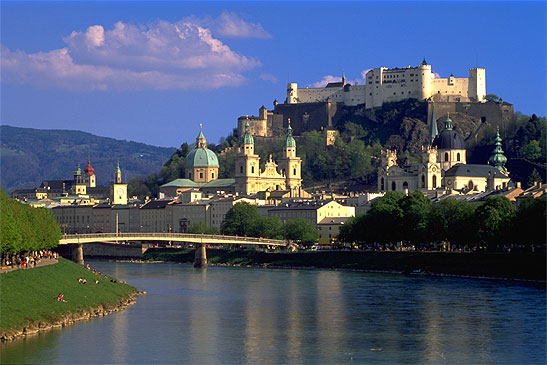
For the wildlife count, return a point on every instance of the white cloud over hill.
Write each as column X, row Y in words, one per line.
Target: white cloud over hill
column 161, row 56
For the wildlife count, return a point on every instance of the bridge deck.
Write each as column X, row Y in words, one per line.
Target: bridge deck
column 174, row 237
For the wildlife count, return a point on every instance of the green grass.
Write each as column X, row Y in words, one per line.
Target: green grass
column 29, row 296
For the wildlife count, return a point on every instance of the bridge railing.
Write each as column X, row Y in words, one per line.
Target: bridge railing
column 172, row 236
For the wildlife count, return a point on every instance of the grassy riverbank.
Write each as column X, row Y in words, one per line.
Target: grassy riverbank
column 512, row 266
column 29, row 296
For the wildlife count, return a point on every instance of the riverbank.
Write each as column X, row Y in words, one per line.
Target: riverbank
column 28, row 304
column 492, row 265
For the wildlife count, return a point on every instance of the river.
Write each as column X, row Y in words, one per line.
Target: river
column 276, row 316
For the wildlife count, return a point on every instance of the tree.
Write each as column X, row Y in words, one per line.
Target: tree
column 494, row 220
column 416, row 209
column 448, row 220
column 384, row 220
column 270, row 227
column 491, row 97
column 301, row 230
column 531, row 221
column 241, row 220
column 533, row 178
column 202, row 228
column 531, row 151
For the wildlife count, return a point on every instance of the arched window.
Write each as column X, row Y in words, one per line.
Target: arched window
column 382, row 184
column 241, row 169
column 470, row 185
column 212, row 175
column 434, row 181
column 393, row 186
column 458, row 157
column 446, row 156
column 201, row 175
column 252, row 169
column 405, row 185
column 423, row 181
column 294, row 172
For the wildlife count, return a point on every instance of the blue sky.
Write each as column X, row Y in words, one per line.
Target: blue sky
column 153, row 71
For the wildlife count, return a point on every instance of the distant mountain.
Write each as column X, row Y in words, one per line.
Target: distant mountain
column 28, row 156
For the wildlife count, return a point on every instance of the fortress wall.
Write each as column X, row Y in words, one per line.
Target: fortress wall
column 442, row 86
column 311, row 95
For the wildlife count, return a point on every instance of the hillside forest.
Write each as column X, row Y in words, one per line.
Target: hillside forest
column 355, row 155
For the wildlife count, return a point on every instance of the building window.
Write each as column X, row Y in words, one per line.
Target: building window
column 201, row 175
column 458, row 157
column 423, row 181
column 212, row 175
column 446, row 156
column 241, row 169
column 393, row 186
column 434, row 181
column 382, row 184
column 294, row 172
column 252, row 169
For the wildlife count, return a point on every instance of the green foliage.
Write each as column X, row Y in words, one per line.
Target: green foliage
column 533, row 178
column 29, row 296
column 531, row 151
column 493, row 220
column 416, row 210
column 491, row 97
column 243, row 219
column 531, row 221
column 24, row 228
column 446, row 220
column 301, row 230
column 202, row 228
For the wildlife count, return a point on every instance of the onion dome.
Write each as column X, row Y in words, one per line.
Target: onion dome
column 118, row 170
column 289, row 140
column 89, row 170
column 201, row 156
column 498, row 159
column 78, row 171
column 449, row 139
column 247, row 136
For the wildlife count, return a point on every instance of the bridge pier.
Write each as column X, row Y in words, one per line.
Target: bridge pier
column 200, row 258
column 78, row 253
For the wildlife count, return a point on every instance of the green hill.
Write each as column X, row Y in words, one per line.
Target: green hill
column 28, row 156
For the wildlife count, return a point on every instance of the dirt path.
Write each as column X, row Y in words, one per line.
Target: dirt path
column 43, row 262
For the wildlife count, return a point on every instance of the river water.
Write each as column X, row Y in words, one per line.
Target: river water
column 268, row 316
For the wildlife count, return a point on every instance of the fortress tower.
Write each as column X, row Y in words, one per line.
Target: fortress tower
column 477, row 84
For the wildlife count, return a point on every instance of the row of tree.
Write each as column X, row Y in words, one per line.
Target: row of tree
column 243, row 219
column 24, row 228
column 415, row 219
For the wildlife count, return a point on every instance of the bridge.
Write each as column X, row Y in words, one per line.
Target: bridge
column 200, row 259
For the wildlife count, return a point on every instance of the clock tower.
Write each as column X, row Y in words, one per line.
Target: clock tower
column 118, row 190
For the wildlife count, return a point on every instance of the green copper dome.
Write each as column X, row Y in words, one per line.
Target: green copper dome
column 498, row 159
column 201, row 157
column 448, row 123
column 289, row 140
column 247, row 136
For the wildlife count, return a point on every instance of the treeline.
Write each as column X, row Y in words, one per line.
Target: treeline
column 243, row 219
column 415, row 220
column 24, row 228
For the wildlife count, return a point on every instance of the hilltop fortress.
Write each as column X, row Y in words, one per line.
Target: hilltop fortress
column 388, row 85
column 317, row 108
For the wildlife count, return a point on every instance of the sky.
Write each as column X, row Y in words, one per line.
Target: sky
column 151, row 72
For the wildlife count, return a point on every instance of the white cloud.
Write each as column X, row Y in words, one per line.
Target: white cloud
column 231, row 25
column 330, row 78
column 269, row 77
column 162, row 55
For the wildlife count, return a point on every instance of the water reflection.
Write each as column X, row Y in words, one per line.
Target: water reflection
column 229, row 315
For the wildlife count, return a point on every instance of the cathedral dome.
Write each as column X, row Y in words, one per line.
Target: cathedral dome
column 449, row 139
column 201, row 157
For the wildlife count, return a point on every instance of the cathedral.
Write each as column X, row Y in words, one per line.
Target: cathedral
column 285, row 176
column 443, row 166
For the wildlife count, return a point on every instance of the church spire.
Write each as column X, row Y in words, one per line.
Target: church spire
column 448, row 123
column 201, row 142
column 343, row 78
column 433, row 130
column 498, row 159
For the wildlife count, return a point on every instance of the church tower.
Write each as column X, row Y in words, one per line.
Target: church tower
column 498, row 159
column 89, row 175
column 290, row 164
column 79, row 184
column 118, row 190
column 247, row 164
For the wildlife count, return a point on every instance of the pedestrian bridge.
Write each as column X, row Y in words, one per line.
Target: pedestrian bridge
column 172, row 237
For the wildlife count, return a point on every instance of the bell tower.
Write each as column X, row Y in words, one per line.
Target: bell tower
column 290, row 165
column 247, row 165
column 118, row 190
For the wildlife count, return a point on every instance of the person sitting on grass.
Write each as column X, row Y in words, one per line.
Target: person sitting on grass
column 60, row 298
